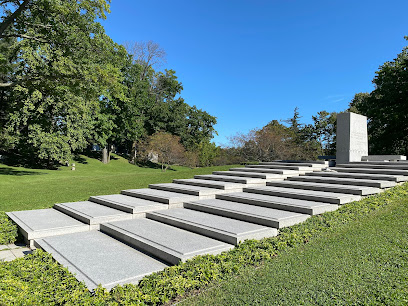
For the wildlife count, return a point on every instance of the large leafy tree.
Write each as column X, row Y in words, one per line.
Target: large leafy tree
column 387, row 107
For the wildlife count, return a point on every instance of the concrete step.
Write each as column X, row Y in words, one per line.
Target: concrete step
column 269, row 171
column 294, row 205
column 305, row 164
column 283, row 167
column 311, row 195
column 166, row 242
column 370, row 165
column 173, row 199
column 266, row 176
column 217, row 227
column 343, row 181
column 202, row 192
column 41, row 223
column 376, row 177
column 211, row 184
column 350, row 189
column 128, row 204
column 372, row 171
column 96, row 258
column 92, row 213
column 249, row 213
column 232, row 179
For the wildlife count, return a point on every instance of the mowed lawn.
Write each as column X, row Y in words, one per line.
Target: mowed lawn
column 362, row 263
column 22, row 188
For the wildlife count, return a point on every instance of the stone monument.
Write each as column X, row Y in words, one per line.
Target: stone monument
column 352, row 139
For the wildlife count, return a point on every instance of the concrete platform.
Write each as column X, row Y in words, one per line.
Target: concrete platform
column 283, row 167
column 376, row 177
column 249, row 213
column 92, row 213
column 308, row 164
column 173, row 199
column 202, row 192
column 232, row 179
column 166, row 242
column 343, row 181
column 294, row 205
column 96, row 258
column 210, row 184
column 310, row 195
column 128, row 204
column 267, row 176
column 41, row 223
column 270, row 171
column 217, row 227
column 372, row 171
column 348, row 189
column 375, row 165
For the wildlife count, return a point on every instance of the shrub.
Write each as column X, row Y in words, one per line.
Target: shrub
column 8, row 230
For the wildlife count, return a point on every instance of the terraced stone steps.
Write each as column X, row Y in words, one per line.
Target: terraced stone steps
column 316, row 166
column 310, row 195
column 376, row 177
column 166, row 242
column 249, row 213
column 201, row 192
column 372, row 171
column 217, row 227
column 210, row 184
column 232, row 179
column 343, row 181
column 269, row 171
column 348, row 189
column 369, row 165
column 173, row 199
column 302, row 169
column 266, row 176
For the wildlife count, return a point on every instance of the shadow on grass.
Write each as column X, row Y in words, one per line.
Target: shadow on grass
column 9, row 171
column 151, row 165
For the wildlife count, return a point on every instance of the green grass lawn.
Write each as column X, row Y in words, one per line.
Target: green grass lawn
column 22, row 188
column 364, row 262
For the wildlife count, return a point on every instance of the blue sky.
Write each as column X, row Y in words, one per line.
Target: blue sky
column 249, row 62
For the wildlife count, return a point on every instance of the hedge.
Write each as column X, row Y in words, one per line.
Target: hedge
column 38, row 279
column 8, row 229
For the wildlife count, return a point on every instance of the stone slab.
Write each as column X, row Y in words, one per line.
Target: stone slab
column 376, row 177
column 7, row 255
column 249, row 213
column 217, row 227
column 92, row 213
column 202, row 192
column 96, row 258
column 128, row 204
column 232, row 179
column 174, row 199
column 385, row 165
column 344, row 181
column 307, row 164
column 271, row 171
column 267, row 176
column 372, row 171
column 310, row 195
column 294, row 205
column 283, row 167
column 383, row 157
column 41, row 223
column 210, row 184
column 352, row 137
column 166, row 242
column 349, row 189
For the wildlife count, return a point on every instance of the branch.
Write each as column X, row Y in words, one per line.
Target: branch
column 8, row 21
column 25, row 36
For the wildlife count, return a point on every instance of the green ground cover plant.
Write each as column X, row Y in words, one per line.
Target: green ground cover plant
column 38, row 279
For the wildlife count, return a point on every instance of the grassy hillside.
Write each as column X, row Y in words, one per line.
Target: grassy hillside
column 22, row 188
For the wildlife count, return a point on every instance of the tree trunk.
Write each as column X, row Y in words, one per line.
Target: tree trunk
column 105, row 155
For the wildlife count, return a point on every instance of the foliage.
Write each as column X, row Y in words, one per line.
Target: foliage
column 8, row 230
column 387, row 107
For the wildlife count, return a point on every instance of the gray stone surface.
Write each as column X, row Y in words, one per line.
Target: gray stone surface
column 344, row 181
column 295, row 205
column 271, row 171
column 202, row 192
column 128, row 204
column 283, row 167
column 92, row 213
column 267, row 176
column 357, row 190
column 317, row 165
column 174, row 199
column 311, row 195
column 166, row 242
column 352, row 137
column 232, row 179
column 372, row 171
column 210, row 184
column 217, row 227
column 45, row 222
column 369, row 165
column 249, row 213
column 96, row 258
column 376, row 177
column 383, row 157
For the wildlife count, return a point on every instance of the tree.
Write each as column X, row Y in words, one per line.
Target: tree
column 387, row 107
column 322, row 132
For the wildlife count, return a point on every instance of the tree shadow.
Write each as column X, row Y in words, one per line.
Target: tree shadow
column 152, row 165
column 9, row 171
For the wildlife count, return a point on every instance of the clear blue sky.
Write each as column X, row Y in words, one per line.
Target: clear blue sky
column 248, row 62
